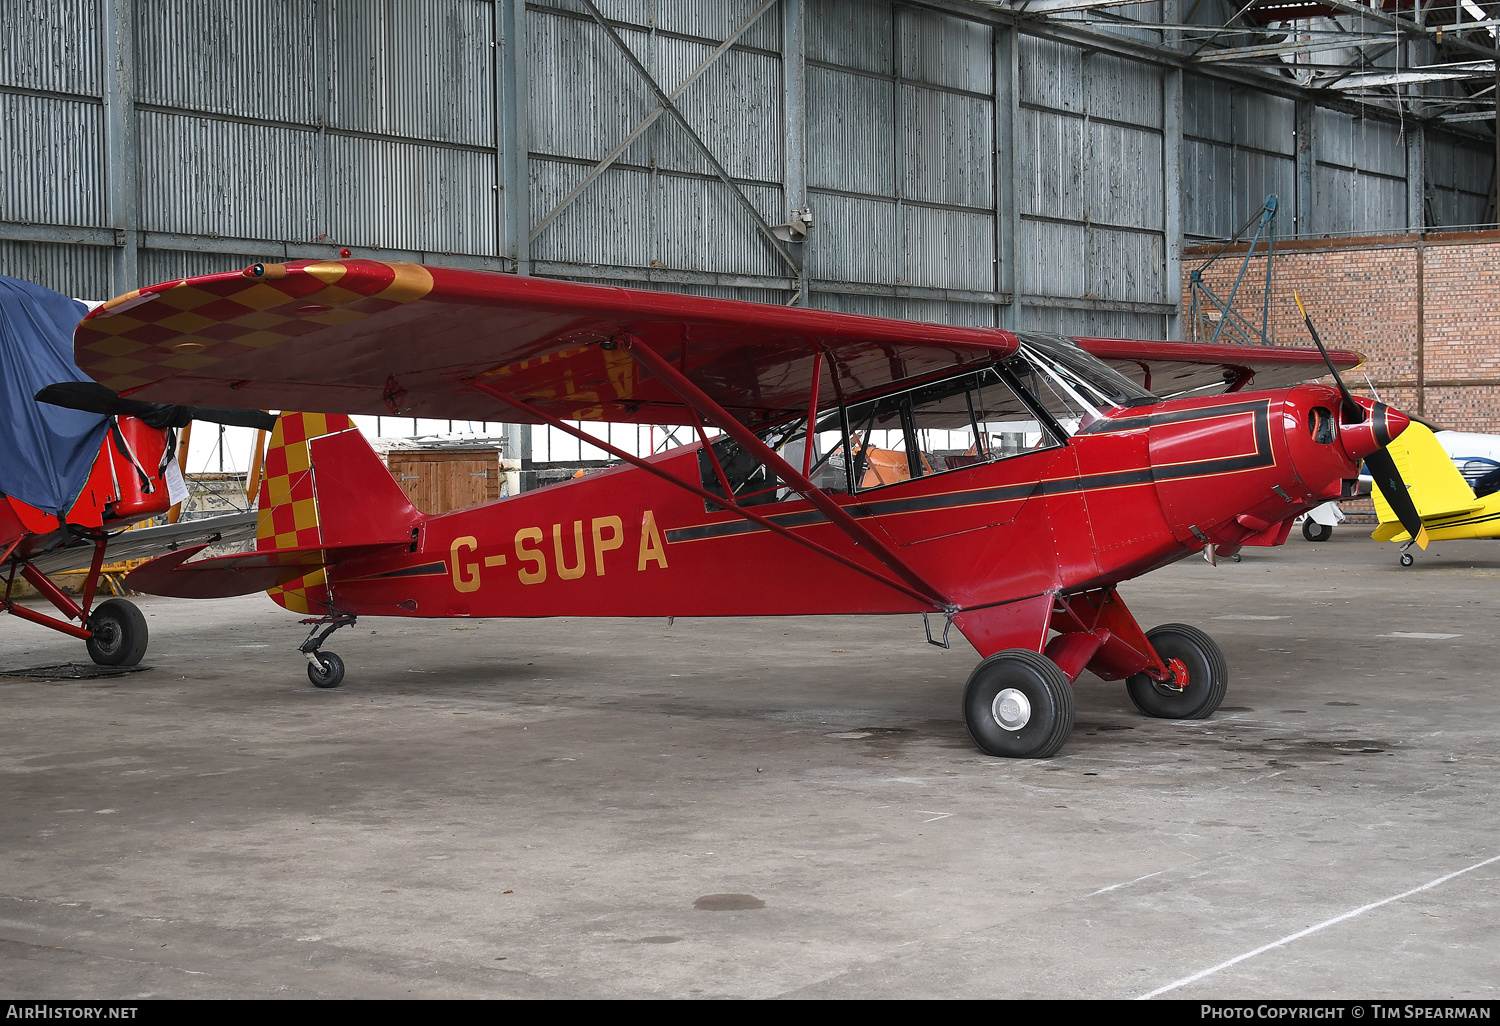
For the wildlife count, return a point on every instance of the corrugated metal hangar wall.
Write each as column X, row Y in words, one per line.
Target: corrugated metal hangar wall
column 960, row 165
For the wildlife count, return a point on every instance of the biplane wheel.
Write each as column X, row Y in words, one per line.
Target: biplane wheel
column 329, row 672
column 1406, row 559
column 1202, row 675
column 118, row 634
column 1018, row 705
column 1316, row 532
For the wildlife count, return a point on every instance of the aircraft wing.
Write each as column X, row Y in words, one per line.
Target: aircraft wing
column 367, row 337
column 143, row 542
column 1170, row 369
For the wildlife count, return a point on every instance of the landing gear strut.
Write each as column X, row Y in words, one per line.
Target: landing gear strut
column 324, row 669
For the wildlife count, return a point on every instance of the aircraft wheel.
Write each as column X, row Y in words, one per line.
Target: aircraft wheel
column 329, row 672
column 1202, row 675
column 1316, row 532
column 1018, row 705
column 119, row 634
column 1406, row 559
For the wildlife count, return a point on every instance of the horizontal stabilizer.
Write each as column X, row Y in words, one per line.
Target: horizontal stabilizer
column 240, row 574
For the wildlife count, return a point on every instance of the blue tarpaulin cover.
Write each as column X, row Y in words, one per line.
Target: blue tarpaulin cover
column 45, row 451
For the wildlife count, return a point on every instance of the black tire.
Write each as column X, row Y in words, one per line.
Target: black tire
column 1316, row 532
column 1038, row 725
column 119, row 634
column 1203, row 662
column 1406, row 559
column 332, row 671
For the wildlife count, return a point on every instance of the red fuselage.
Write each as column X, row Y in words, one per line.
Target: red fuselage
column 1133, row 492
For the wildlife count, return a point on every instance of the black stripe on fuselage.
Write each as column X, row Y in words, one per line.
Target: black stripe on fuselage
column 1262, row 457
column 425, row 570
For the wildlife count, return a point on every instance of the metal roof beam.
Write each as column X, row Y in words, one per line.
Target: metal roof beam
column 1434, row 73
column 1031, row 7
column 1234, row 53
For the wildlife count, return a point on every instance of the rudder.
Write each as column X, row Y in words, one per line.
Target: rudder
column 1437, row 488
column 354, row 499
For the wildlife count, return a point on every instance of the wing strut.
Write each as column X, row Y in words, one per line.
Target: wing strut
column 694, row 396
column 707, row 496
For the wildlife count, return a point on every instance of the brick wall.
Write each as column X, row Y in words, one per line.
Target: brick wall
column 1425, row 312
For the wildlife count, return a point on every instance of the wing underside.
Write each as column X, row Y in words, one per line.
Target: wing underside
column 366, row 337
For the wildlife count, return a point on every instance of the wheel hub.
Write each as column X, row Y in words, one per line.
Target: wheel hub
column 1176, row 680
column 107, row 636
column 1011, row 709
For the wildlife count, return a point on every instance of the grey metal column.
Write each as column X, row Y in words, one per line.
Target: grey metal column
column 1416, row 177
column 794, row 126
column 1007, row 187
column 1171, row 166
column 511, row 102
column 1306, row 166
column 121, row 149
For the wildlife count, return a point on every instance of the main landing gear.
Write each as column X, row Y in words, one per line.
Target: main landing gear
column 1316, row 532
column 1018, row 703
column 114, row 631
column 1198, row 675
column 324, row 669
column 117, row 634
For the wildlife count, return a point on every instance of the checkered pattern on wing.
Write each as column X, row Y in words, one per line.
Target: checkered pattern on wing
column 197, row 323
column 289, row 502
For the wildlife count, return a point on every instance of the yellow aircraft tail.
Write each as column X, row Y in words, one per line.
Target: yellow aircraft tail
column 1437, row 488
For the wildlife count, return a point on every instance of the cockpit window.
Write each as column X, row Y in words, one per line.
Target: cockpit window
column 1093, row 381
column 1032, row 400
column 948, row 425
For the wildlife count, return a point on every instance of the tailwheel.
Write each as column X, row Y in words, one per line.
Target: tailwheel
column 1018, row 705
column 1199, row 675
column 118, row 634
column 328, row 671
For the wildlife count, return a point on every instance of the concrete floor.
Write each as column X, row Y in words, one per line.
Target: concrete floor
column 568, row 808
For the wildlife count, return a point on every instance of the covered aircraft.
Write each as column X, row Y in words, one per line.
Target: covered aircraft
column 999, row 483
column 73, row 478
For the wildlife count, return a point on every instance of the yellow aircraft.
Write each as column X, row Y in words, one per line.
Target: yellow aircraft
column 1449, row 507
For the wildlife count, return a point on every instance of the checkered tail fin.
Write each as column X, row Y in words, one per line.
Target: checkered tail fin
column 324, row 487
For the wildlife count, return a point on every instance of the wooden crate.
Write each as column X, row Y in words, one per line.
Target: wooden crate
column 442, row 480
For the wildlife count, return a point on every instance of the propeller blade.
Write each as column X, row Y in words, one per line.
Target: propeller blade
column 1382, row 467
column 1353, row 412
column 92, row 397
column 1388, row 479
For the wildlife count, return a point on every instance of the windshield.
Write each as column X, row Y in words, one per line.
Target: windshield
column 1090, row 379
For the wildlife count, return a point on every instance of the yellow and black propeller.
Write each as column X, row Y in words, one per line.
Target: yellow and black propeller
column 1382, row 467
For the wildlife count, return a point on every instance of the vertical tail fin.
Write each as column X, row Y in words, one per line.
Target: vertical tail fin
column 323, row 486
column 1437, row 488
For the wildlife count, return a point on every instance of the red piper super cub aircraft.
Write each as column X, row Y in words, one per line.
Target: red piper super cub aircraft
column 1004, row 483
